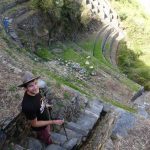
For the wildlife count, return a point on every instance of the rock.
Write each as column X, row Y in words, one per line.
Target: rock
column 18, row 147
column 87, row 62
column 82, row 71
column 124, row 123
column 34, row 144
column 93, row 73
column 58, row 138
column 71, row 134
column 54, row 147
column 86, row 122
column 69, row 145
column 76, row 128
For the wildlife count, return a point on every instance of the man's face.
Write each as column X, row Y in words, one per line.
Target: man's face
column 32, row 88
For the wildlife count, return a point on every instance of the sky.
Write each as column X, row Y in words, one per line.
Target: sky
column 146, row 4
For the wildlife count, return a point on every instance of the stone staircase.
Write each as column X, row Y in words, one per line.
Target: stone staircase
column 77, row 132
column 70, row 136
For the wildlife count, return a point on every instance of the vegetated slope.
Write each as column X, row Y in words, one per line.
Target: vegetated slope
column 63, row 64
column 136, row 22
column 66, row 63
column 104, row 83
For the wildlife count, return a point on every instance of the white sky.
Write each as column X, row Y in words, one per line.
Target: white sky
column 146, row 4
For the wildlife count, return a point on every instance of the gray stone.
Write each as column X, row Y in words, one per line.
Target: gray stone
column 34, row 144
column 13, row 35
column 18, row 147
column 77, row 128
column 58, row 138
column 71, row 134
column 86, row 122
column 69, row 145
column 95, row 108
column 93, row 73
column 125, row 122
column 82, row 71
column 90, row 113
column 54, row 147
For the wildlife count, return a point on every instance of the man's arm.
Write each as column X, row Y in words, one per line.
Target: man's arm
column 41, row 123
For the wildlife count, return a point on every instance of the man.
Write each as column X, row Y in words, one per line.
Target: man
column 34, row 108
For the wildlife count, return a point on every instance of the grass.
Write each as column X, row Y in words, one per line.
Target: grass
column 120, row 105
column 44, row 53
column 61, row 80
column 137, row 25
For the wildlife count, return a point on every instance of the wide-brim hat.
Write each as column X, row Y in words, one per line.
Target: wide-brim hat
column 26, row 78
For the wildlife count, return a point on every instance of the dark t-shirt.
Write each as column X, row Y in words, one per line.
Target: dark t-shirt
column 34, row 107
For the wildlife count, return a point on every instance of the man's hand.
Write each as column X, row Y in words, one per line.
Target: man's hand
column 58, row 122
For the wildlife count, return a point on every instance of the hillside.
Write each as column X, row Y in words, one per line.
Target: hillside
column 83, row 64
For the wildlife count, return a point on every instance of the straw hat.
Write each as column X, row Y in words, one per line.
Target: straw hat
column 26, row 78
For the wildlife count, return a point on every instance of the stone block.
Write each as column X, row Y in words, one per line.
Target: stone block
column 34, row 144
column 58, row 138
column 69, row 145
column 71, row 134
column 77, row 128
column 86, row 122
column 90, row 113
column 95, row 107
column 54, row 147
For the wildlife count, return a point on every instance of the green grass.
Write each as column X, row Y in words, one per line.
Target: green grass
column 100, row 62
column 44, row 53
column 61, row 80
column 120, row 105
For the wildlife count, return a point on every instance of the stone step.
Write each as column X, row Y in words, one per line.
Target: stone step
column 54, row 147
column 86, row 122
column 58, row 138
column 76, row 128
column 95, row 107
column 71, row 134
column 70, row 144
column 61, row 140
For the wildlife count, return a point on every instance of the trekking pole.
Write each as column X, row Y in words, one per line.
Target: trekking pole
column 63, row 125
column 50, row 117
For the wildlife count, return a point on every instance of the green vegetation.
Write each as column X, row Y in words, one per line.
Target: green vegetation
column 64, row 12
column 131, row 65
column 120, row 105
column 134, row 54
column 65, row 82
column 44, row 53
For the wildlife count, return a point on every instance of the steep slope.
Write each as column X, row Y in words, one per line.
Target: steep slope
column 62, row 72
